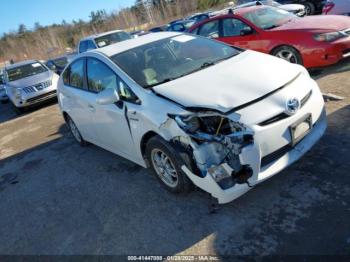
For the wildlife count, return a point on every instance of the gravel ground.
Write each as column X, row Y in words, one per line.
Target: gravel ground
column 59, row 198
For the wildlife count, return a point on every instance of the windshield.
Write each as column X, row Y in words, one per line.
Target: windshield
column 269, row 17
column 23, row 71
column 167, row 59
column 112, row 39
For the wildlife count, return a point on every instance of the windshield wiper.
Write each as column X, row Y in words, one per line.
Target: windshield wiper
column 161, row 82
column 271, row 27
column 207, row 64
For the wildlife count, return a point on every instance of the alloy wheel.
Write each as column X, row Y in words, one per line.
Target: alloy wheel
column 164, row 168
column 287, row 55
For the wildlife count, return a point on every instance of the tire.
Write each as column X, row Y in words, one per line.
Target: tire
column 172, row 178
column 75, row 131
column 4, row 100
column 289, row 54
column 309, row 8
column 19, row 110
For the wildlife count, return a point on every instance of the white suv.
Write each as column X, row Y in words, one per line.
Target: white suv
column 195, row 110
column 28, row 83
column 101, row 40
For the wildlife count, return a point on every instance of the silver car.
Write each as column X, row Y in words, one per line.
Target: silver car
column 3, row 96
column 28, row 83
column 296, row 9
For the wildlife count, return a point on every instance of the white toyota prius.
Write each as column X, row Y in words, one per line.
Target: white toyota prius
column 198, row 112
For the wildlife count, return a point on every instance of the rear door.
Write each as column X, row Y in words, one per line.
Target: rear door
column 78, row 100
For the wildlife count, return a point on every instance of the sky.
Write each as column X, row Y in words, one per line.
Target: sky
column 46, row 12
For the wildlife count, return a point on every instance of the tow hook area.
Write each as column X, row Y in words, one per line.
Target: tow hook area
column 222, row 183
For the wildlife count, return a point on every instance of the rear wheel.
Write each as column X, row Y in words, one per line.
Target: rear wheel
column 166, row 162
column 289, row 54
column 309, row 8
column 75, row 131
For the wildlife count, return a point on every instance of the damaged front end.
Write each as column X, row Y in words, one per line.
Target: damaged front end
column 215, row 143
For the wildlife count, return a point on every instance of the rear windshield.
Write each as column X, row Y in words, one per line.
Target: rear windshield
column 25, row 71
column 112, row 39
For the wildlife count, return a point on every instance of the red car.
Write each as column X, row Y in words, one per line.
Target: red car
column 312, row 41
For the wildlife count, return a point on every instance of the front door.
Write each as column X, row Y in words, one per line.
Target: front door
column 237, row 33
column 110, row 121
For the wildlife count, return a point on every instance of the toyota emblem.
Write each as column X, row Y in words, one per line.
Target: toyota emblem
column 292, row 106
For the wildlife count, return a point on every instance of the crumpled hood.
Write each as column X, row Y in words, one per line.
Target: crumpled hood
column 321, row 23
column 231, row 83
column 292, row 7
column 31, row 80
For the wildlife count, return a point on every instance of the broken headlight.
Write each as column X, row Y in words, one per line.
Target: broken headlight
column 213, row 127
column 188, row 123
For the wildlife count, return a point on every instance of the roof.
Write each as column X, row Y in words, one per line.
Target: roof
column 26, row 62
column 248, row 9
column 99, row 35
column 134, row 42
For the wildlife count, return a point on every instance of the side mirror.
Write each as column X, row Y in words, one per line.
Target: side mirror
column 107, row 97
column 246, row 31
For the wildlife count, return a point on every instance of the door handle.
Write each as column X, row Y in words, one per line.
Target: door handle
column 132, row 112
column 91, row 108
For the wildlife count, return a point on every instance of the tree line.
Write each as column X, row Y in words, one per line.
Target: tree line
column 43, row 42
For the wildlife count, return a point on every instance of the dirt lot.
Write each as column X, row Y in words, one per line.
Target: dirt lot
column 59, row 198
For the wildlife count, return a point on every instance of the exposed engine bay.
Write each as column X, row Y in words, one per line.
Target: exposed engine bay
column 215, row 142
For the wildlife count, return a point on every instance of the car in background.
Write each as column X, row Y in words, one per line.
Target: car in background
column 181, row 26
column 311, row 6
column 28, row 83
column 337, row 7
column 195, row 110
column 3, row 95
column 312, row 41
column 138, row 33
column 102, row 40
column 296, row 9
column 198, row 17
column 175, row 21
column 158, row 29
column 58, row 64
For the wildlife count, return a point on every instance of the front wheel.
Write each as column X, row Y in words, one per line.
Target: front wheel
column 289, row 54
column 19, row 110
column 309, row 8
column 166, row 162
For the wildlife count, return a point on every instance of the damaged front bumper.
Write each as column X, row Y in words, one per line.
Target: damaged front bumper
column 250, row 155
